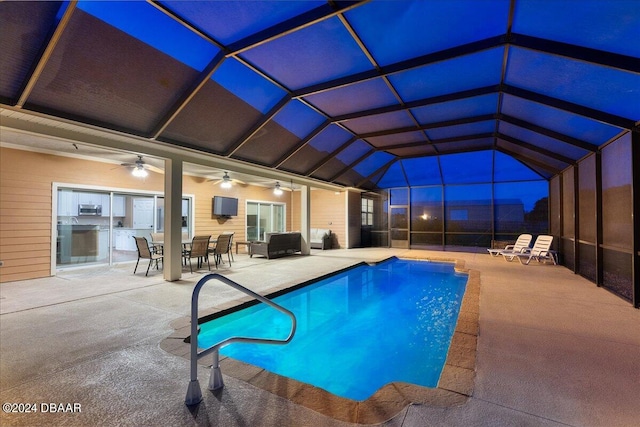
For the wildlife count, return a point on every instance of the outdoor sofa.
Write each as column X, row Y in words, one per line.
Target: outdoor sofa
column 277, row 245
column 320, row 238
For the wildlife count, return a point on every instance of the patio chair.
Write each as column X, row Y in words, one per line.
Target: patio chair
column 541, row 251
column 230, row 243
column 521, row 245
column 157, row 237
column 223, row 246
column 199, row 249
column 146, row 252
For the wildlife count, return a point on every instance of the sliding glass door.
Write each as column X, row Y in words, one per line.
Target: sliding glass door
column 97, row 226
column 264, row 217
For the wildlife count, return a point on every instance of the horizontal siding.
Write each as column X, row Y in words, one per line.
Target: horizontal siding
column 25, row 216
column 26, row 205
column 205, row 224
column 39, row 260
column 327, row 211
column 9, row 199
column 11, row 190
column 11, row 233
column 13, row 274
column 17, row 252
column 11, row 226
column 24, row 212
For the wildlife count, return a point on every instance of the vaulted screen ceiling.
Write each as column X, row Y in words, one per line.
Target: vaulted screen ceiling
column 338, row 91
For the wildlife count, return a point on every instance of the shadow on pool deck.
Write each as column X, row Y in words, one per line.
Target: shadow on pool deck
column 454, row 387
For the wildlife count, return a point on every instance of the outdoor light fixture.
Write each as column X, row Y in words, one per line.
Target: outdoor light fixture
column 226, row 181
column 277, row 190
column 139, row 171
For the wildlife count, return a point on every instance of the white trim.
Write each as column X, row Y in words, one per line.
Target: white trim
column 55, row 186
column 264, row 202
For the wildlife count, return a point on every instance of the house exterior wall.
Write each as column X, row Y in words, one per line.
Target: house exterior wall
column 327, row 211
column 26, row 185
column 26, row 180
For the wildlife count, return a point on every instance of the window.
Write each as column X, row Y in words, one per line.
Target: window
column 367, row 212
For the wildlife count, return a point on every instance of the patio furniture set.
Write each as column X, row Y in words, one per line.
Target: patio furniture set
column 275, row 245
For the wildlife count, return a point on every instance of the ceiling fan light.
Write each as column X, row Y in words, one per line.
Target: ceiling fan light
column 226, row 181
column 277, row 190
column 139, row 172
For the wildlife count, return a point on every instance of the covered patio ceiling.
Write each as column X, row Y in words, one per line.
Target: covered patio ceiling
column 339, row 92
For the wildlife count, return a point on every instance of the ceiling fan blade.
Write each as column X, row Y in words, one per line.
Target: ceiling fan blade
column 240, row 183
column 154, row 168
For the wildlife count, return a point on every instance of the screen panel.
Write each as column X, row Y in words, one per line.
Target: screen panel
column 468, row 208
column 587, row 261
column 554, row 206
column 391, row 33
column 568, row 204
column 426, row 210
column 587, row 199
column 521, row 207
column 618, row 268
column 617, row 196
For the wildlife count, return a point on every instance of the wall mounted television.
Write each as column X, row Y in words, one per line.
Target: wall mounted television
column 225, row 206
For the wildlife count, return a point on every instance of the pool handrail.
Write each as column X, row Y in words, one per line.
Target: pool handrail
column 194, row 394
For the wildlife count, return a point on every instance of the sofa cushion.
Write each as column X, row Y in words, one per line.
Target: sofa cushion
column 320, row 238
column 317, row 234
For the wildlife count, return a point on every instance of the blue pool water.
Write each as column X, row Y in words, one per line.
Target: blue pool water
column 357, row 330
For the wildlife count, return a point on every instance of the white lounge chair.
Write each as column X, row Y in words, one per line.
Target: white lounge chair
column 521, row 245
column 541, row 251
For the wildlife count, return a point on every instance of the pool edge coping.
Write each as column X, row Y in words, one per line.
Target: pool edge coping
column 455, row 385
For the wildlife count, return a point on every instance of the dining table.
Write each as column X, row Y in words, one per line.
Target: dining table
column 185, row 244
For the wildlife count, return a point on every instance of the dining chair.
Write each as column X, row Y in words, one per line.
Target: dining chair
column 199, row 249
column 146, row 252
column 223, row 246
column 231, row 233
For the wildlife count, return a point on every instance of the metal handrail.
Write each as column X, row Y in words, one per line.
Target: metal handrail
column 194, row 394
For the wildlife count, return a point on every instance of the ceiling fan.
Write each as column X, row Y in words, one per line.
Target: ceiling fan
column 138, row 168
column 226, row 181
column 278, row 188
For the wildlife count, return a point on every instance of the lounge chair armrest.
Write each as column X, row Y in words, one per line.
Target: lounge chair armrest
column 509, row 247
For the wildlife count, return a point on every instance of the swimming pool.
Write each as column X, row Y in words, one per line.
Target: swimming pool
column 357, row 330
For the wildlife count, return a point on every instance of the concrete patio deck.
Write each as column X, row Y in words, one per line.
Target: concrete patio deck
column 553, row 349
